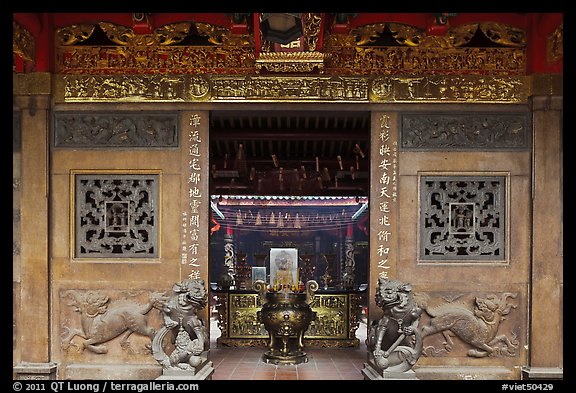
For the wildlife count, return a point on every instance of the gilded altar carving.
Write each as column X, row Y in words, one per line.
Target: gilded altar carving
column 475, row 322
column 244, row 321
column 331, row 317
column 338, row 318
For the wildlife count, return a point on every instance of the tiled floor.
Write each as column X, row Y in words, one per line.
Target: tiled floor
column 323, row 363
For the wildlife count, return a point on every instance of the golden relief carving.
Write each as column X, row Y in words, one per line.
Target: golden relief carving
column 187, row 88
column 165, row 35
column 243, row 317
column 154, row 59
column 401, row 60
column 22, row 42
column 356, row 53
column 555, row 45
column 73, row 34
column 412, row 36
column 221, row 36
column 331, row 317
column 504, row 34
column 312, row 30
column 291, row 61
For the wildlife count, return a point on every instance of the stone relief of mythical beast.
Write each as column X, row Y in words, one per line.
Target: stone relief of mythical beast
column 477, row 327
column 103, row 320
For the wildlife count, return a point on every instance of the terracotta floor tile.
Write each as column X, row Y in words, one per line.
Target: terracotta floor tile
column 247, row 363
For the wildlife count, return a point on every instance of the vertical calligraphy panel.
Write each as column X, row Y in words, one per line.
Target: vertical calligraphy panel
column 195, row 196
column 383, row 202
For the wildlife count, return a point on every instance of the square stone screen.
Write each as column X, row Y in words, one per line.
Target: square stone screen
column 462, row 218
column 116, row 216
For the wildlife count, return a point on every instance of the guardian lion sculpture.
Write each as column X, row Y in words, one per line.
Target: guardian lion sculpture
column 189, row 335
column 394, row 342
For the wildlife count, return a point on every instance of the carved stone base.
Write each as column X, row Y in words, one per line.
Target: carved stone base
column 112, row 371
column 465, row 373
column 203, row 371
column 542, row 373
column 35, row 371
column 372, row 372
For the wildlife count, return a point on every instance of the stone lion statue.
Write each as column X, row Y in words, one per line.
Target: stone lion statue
column 189, row 335
column 394, row 342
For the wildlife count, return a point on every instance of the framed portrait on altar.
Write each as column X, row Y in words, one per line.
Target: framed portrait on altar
column 284, row 267
column 258, row 273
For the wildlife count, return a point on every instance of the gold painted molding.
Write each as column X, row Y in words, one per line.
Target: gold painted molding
column 231, row 88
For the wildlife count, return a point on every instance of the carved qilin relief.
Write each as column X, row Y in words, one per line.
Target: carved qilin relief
column 103, row 319
column 475, row 325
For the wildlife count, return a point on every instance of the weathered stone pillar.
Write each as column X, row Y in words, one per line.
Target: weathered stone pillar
column 32, row 357
column 546, row 335
column 383, row 203
column 195, row 199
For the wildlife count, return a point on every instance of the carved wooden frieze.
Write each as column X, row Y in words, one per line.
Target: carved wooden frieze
column 109, row 322
column 462, row 218
column 465, row 131
column 109, row 130
column 373, row 49
column 475, row 325
column 116, row 215
column 216, row 88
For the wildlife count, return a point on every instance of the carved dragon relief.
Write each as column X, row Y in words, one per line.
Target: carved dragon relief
column 477, row 326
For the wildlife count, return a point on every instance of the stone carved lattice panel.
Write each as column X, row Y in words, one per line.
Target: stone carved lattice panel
column 462, row 218
column 116, row 215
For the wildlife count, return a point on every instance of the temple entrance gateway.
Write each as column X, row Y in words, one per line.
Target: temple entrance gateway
column 150, row 149
column 277, row 186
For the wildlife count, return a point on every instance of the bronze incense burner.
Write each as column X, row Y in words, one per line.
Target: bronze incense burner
column 286, row 316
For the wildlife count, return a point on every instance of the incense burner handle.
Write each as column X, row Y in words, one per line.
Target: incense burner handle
column 261, row 287
column 311, row 288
